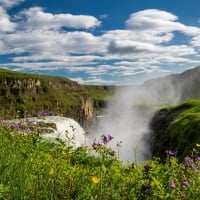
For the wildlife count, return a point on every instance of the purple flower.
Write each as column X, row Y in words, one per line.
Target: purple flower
column 45, row 113
column 186, row 183
column 172, row 152
column 110, row 137
column 173, row 184
column 29, row 130
column 104, row 139
column 96, row 145
column 189, row 162
column 19, row 125
column 39, row 113
column 198, row 158
column 145, row 188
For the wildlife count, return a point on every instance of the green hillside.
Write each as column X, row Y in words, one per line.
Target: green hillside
column 184, row 129
column 23, row 94
column 176, row 128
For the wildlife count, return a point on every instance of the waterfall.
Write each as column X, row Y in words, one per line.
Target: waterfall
column 66, row 129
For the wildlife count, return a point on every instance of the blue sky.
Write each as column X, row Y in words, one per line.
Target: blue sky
column 102, row 42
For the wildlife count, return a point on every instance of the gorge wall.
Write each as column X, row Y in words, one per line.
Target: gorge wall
column 177, row 127
column 23, row 95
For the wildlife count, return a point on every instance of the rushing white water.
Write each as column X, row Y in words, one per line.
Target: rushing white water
column 66, row 129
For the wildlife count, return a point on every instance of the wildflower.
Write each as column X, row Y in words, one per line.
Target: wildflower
column 29, row 130
column 186, row 183
column 35, row 123
column 51, row 172
column 171, row 152
column 147, row 168
column 173, row 184
column 96, row 146
column 105, row 139
column 95, row 179
column 39, row 113
column 198, row 145
column 110, row 137
column 189, row 162
column 145, row 188
column 198, row 158
column 45, row 113
column 18, row 125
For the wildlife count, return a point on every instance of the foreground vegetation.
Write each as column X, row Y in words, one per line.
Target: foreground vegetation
column 33, row 168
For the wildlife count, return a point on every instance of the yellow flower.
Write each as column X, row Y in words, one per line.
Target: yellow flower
column 95, row 179
column 51, row 172
column 198, row 145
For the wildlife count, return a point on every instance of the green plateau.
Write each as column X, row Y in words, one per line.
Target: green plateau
column 24, row 94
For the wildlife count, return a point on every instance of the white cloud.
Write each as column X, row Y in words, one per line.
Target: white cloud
column 53, row 43
column 10, row 3
column 95, row 81
column 36, row 18
column 5, row 22
column 103, row 16
column 47, row 41
column 154, row 21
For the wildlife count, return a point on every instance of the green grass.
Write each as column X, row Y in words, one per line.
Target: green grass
column 184, row 130
column 100, row 92
column 32, row 168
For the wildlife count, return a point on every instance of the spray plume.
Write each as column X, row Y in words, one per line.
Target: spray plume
column 129, row 113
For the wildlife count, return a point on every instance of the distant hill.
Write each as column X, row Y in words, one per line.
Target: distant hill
column 178, row 86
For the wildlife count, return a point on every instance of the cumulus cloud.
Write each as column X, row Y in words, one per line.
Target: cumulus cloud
column 36, row 18
column 10, row 3
column 52, row 43
column 130, row 47
column 154, row 20
column 5, row 22
column 40, row 40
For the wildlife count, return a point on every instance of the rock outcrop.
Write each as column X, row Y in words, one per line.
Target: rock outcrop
column 176, row 128
column 160, row 141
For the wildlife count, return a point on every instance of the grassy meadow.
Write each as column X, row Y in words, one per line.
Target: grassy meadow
column 34, row 168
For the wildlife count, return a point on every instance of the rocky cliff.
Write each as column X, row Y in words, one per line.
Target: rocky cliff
column 176, row 128
column 23, row 95
column 176, row 87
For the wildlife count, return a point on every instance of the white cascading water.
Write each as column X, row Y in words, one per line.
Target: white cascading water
column 67, row 129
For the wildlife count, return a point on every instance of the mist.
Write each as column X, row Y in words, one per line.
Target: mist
column 128, row 115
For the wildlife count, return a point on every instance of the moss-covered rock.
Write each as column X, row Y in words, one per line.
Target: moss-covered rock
column 176, row 128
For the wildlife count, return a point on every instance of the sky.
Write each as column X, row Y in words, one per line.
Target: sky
column 101, row 42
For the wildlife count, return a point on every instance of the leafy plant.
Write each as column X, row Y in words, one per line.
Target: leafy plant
column 32, row 168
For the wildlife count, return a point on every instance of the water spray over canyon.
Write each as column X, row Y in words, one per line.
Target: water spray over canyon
column 129, row 113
